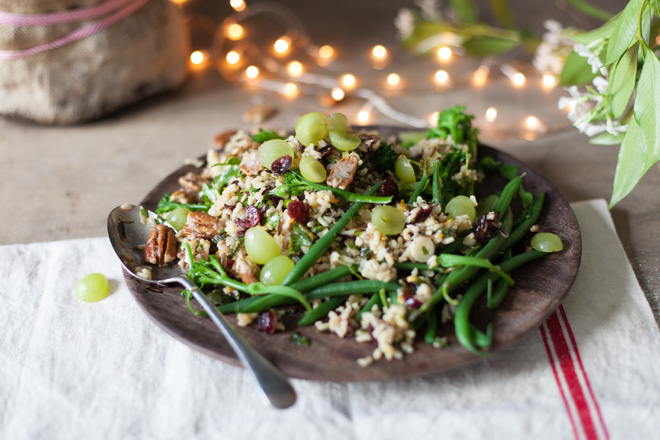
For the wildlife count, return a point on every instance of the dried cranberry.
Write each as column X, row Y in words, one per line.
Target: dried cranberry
column 297, row 210
column 389, row 188
column 281, row 165
column 250, row 219
column 325, row 154
column 485, row 229
column 422, row 214
column 230, row 207
column 267, row 321
column 412, row 302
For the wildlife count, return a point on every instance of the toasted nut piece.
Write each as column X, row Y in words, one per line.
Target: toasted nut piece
column 192, row 182
column 245, row 269
column 182, row 196
column 258, row 114
column 343, row 172
column 220, row 140
column 161, row 246
column 250, row 164
column 201, row 225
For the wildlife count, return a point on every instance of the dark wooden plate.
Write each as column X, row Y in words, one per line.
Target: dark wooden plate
column 538, row 290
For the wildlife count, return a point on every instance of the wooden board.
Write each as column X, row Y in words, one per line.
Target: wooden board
column 539, row 288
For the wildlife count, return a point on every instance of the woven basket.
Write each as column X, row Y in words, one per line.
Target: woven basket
column 142, row 54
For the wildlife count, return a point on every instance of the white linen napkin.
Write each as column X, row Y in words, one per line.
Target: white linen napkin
column 89, row 371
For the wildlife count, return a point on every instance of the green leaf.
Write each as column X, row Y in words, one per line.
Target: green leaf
column 590, row 10
column 631, row 163
column 601, row 32
column 576, row 71
column 622, row 82
column 607, row 139
column 483, row 46
column 502, row 13
column 646, row 111
column 465, row 9
column 624, row 33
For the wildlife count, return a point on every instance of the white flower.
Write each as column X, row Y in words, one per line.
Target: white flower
column 574, row 103
column 614, row 128
column 554, row 48
column 429, row 9
column 405, row 23
column 593, row 129
column 591, row 52
column 601, row 84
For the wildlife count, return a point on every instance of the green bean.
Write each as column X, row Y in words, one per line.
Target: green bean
column 451, row 260
column 324, row 243
column 240, row 305
column 523, row 228
column 374, row 300
column 350, row 287
column 462, row 327
column 483, row 340
column 498, row 295
column 508, row 193
column 431, row 327
column 418, row 189
column 437, row 190
column 418, row 266
column 322, row 310
column 322, row 278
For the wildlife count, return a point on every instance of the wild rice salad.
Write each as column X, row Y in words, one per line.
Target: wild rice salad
column 377, row 239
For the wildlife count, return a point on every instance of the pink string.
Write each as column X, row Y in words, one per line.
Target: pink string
column 81, row 33
column 89, row 13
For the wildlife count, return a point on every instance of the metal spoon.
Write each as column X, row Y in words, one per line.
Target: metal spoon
column 127, row 232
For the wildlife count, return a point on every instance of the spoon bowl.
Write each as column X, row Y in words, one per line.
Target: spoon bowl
column 128, row 229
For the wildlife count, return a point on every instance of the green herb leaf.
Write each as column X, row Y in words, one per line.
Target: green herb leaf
column 630, row 165
column 622, row 82
column 265, row 135
column 624, row 33
column 576, row 71
column 645, row 109
column 607, row 139
column 465, row 9
column 502, row 13
column 602, row 32
column 228, row 174
column 590, row 10
column 480, row 46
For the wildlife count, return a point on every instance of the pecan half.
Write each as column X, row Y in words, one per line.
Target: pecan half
column 201, row 225
column 250, row 165
column 245, row 269
column 183, row 196
column 220, row 140
column 161, row 246
column 192, row 182
column 343, row 172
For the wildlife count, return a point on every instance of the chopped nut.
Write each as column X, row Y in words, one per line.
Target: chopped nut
column 250, row 165
column 161, row 246
column 343, row 172
column 182, row 196
column 258, row 114
column 191, row 182
column 220, row 140
column 201, row 225
column 245, row 269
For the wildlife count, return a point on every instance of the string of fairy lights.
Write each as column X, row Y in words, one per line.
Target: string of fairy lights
column 235, row 56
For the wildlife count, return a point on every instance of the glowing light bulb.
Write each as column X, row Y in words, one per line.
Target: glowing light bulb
column 235, row 31
column 252, row 72
column 282, row 45
column 433, row 118
column 393, row 79
column 379, row 52
column 441, row 77
column 295, row 68
column 197, row 57
column 481, row 75
column 290, row 90
column 326, row 52
column 444, row 53
column 337, row 94
column 532, row 122
column 178, row 2
column 549, row 80
column 491, row 114
column 348, row 80
column 363, row 116
column 233, row 57
column 518, row 79
column 238, row 5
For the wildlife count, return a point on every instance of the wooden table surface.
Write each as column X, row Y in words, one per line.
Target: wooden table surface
column 61, row 182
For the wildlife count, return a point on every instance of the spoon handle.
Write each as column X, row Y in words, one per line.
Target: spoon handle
column 273, row 382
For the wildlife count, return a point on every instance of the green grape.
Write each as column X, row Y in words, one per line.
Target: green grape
column 178, row 217
column 487, row 205
column 275, row 271
column 260, row 246
column 338, row 122
column 547, row 242
column 461, row 205
column 312, row 170
column 272, row 150
column 404, row 170
column 92, row 288
column 311, row 128
column 344, row 141
column 388, row 220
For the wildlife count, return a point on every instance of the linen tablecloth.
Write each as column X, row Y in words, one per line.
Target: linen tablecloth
column 71, row 370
